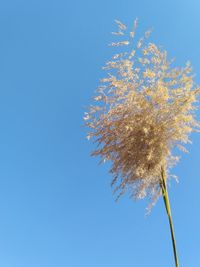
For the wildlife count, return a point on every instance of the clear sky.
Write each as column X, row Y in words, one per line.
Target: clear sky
column 56, row 204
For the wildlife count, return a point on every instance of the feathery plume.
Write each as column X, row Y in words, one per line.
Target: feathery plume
column 143, row 109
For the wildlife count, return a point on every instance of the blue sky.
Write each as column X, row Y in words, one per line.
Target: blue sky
column 56, row 205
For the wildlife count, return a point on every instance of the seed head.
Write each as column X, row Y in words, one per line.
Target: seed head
column 144, row 109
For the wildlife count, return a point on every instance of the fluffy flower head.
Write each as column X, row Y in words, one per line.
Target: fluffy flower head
column 144, row 108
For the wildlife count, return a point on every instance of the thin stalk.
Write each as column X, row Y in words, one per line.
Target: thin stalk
column 168, row 210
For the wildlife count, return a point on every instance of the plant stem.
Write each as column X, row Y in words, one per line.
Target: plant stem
column 168, row 210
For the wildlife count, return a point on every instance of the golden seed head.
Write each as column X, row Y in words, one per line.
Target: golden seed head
column 143, row 109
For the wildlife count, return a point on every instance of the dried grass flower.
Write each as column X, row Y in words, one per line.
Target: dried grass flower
column 143, row 110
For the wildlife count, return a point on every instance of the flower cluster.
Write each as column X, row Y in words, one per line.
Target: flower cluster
column 144, row 108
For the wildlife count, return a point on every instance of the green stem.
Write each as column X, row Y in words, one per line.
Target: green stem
column 168, row 210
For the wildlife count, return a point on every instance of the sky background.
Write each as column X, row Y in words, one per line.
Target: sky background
column 56, row 204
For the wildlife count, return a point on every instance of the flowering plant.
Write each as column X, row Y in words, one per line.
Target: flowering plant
column 144, row 109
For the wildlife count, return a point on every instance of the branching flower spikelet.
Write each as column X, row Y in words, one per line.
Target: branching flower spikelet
column 144, row 108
